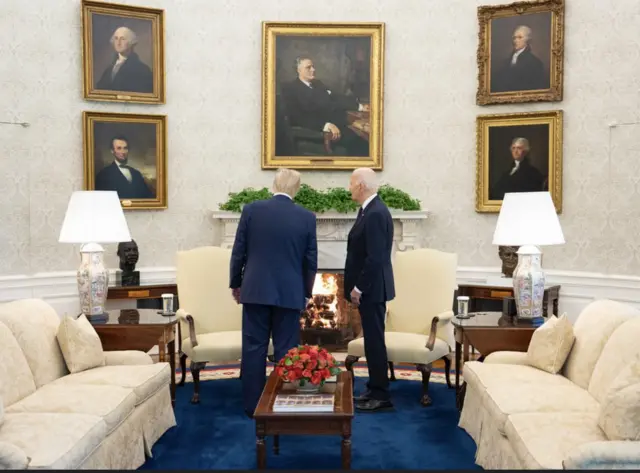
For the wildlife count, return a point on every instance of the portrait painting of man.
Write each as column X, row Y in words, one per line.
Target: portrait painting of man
column 126, row 153
column 518, row 153
column 322, row 95
column 520, row 52
column 123, row 53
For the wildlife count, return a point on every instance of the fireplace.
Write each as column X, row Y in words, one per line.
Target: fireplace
column 329, row 320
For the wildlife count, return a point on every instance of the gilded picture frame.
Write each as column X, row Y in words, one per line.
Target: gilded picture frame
column 521, row 52
column 518, row 152
column 127, row 153
column 329, row 120
column 123, row 53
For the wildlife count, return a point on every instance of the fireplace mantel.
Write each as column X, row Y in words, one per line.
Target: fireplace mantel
column 332, row 232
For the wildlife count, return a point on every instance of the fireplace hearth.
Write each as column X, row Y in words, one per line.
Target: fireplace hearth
column 329, row 320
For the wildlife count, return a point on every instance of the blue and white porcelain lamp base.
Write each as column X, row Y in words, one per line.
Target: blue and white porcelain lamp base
column 528, row 285
column 93, row 283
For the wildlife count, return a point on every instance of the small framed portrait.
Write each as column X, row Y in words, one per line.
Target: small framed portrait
column 123, row 53
column 521, row 52
column 127, row 153
column 518, row 152
column 322, row 95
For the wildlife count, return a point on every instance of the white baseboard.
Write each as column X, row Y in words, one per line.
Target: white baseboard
column 578, row 288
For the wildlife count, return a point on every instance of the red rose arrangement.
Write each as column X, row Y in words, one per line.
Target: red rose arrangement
column 307, row 364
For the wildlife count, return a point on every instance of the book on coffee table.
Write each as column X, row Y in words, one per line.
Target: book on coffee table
column 303, row 403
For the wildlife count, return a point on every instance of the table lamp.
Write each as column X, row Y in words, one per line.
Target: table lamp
column 93, row 217
column 528, row 220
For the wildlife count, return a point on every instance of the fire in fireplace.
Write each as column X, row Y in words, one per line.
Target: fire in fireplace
column 329, row 320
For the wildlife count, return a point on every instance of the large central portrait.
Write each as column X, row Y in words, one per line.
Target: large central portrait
column 322, row 95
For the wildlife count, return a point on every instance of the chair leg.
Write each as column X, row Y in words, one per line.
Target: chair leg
column 183, row 368
column 271, row 358
column 392, row 375
column 447, row 370
column 426, row 374
column 348, row 363
column 195, row 373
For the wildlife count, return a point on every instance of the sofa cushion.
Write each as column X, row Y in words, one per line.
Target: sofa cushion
column 112, row 403
column 594, row 326
column 620, row 410
column 405, row 348
column 550, row 344
column 12, row 457
column 145, row 380
column 54, row 441
column 543, row 440
column 483, row 375
column 40, row 346
column 80, row 344
column 621, row 349
column 558, row 395
column 16, row 381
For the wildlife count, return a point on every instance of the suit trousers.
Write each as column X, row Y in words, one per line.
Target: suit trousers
column 259, row 322
column 375, row 350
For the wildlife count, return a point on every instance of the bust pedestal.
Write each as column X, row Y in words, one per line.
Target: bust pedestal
column 127, row 278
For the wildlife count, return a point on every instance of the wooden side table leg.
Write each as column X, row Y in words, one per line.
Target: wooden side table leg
column 162, row 347
column 171, row 346
column 346, row 452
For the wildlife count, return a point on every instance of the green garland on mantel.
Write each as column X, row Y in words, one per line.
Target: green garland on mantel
column 337, row 199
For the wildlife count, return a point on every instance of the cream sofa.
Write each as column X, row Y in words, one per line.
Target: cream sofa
column 524, row 418
column 106, row 417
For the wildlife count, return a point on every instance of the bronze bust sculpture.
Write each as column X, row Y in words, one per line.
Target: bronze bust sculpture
column 129, row 255
column 509, row 257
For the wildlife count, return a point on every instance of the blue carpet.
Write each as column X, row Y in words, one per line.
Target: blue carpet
column 217, row 435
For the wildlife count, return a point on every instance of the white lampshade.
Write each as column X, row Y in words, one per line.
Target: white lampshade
column 528, row 218
column 94, row 217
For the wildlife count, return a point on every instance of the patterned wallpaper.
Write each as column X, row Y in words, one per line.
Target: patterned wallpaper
column 213, row 62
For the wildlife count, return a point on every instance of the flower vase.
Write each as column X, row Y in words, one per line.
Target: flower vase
column 307, row 387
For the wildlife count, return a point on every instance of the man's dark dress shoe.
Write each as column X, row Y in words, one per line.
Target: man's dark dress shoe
column 362, row 397
column 371, row 405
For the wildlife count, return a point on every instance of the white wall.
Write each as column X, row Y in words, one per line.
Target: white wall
column 213, row 58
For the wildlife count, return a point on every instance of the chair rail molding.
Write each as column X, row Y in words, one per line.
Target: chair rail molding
column 60, row 289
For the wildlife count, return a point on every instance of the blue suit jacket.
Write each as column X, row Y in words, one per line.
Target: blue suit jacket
column 368, row 265
column 275, row 254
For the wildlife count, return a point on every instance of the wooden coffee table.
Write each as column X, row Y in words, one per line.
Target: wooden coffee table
column 337, row 422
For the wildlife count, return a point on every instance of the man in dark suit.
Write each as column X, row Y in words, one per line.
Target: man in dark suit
column 310, row 104
column 522, row 176
column 368, row 282
column 522, row 70
column 120, row 177
column 272, row 271
column 126, row 73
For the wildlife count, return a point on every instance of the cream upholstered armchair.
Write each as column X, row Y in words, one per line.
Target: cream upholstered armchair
column 210, row 320
column 418, row 328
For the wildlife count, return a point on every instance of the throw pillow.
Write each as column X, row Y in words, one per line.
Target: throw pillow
column 620, row 411
column 551, row 344
column 80, row 344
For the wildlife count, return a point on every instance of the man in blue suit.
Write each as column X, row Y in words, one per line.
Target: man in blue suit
column 368, row 282
column 273, row 268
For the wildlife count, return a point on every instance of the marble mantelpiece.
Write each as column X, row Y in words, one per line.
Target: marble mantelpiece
column 332, row 232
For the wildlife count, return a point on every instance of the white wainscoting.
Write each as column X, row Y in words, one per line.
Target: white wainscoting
column 578, row 288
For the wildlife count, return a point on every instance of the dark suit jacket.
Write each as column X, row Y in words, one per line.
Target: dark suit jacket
column 526, row 179
column 526, row 74
column 111, row 179
column 368, row 266
column 133, row 76
column 313, row 107
column 275, row 254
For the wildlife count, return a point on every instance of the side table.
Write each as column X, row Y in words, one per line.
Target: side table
column 498, row 292
column 141, row 329
column 487, row 332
